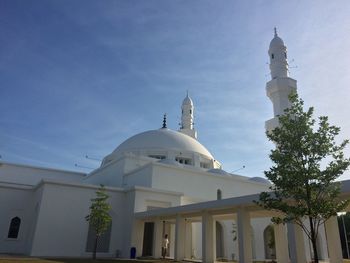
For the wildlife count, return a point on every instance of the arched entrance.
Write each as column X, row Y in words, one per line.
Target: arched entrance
column 269, row 242
column 219, row 240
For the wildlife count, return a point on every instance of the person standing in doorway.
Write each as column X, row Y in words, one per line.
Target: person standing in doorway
column 165, row 246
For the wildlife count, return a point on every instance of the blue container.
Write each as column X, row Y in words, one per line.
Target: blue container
column 133, row 252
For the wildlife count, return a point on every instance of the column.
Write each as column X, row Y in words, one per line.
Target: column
column 158, row 238
column 180, row 232
column 137, row 236
column 333, row 240
column 208, row 248
column 281, row 243
column 323, row 253
column 244, row 236
column 188, row 237
column 296, row 243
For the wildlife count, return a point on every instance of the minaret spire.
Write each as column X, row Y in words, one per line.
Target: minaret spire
column 164, row 121
column 280, row 85
column 278, row 57
column 187, row 117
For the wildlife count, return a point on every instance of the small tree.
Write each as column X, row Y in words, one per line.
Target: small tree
column 306, row 160
column 99, row 217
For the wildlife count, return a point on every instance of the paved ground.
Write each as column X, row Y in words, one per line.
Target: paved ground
column 19, row 259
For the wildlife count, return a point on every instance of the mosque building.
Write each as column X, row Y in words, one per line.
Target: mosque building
column 43, row 210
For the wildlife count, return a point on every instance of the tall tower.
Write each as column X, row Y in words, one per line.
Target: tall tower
column 187, row 118
column 280, row 85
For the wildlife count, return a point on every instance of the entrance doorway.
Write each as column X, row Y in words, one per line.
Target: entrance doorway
column 219, row 241
column 269, row 242
column 147, row 248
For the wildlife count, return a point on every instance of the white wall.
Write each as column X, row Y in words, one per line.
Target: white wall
column 111, row 175
column 29, row 175
column 16, row 202
column 147, row 197
column 140, row 177
column 61, row 228
column 202, row 185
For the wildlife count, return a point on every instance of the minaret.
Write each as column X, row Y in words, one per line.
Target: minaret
column 187, row 118
column 280, row 85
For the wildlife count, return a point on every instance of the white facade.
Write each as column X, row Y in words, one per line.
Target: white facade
column 154, row 169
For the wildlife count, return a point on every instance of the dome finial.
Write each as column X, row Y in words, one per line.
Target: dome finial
column 275, row 29
column 187, row 93
column 164, row 121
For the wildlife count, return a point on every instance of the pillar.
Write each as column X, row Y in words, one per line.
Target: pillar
column 323, row 254
column 158, row 238
column 333, row 240
column 188, row 238
column 296, row 243
column 208, row 248
column 180, row 232
column 281, row 243
column 137, row 236
column 244, row 236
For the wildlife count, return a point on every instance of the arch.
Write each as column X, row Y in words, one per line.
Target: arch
column 269, row 242
column 219, row 240
column 14, row 227
column 219, row 194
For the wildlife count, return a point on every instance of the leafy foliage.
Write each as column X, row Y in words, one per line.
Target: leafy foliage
column 99, row 217
column 307, row 161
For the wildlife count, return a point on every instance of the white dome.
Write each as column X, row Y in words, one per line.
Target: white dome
column 276, row 42
column 218, row 171
column 162, row 139
column 187, row 101
column 260, row 180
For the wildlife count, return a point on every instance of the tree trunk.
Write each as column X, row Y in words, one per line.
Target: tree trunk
column 313, row 240
column 95, row 247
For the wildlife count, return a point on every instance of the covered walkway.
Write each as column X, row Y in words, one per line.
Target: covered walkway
column 289, row 239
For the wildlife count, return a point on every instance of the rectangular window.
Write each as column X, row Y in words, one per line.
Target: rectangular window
column 204, row 165
column 160, row 157
column 183, row 160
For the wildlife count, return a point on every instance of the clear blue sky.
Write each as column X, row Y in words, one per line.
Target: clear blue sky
column 80, row 77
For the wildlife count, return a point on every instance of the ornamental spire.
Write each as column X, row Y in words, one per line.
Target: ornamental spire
column 164, row 121
column 275, row 29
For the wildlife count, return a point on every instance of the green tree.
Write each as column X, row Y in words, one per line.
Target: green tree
column 306, row 162
column 99, row 217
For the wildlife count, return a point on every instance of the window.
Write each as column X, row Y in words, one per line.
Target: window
column 190, row 111
column 285, row 54
column 160, row 157
column 272, row 56
column 14, row 227
column 183, row 160
column 218, row 194
column 204, row 165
